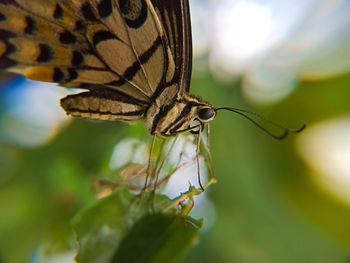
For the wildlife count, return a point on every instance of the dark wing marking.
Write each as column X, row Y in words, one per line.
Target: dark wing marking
column 176, row 21
column 68, row 43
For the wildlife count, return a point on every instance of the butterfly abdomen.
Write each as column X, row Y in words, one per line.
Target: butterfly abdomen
column 103, row 105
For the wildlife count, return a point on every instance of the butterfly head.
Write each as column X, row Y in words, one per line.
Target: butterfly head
column 187, row 113
column 206, row 114
column 192, row 115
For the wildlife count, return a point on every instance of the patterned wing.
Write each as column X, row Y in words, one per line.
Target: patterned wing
column 136, row 47
column 175, row 18
column 76, row 43
column 149, row 41
column 135, row 32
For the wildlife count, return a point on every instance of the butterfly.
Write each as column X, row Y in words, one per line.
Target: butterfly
column 133, row 58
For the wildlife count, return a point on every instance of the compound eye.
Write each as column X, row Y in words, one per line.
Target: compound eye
column 206, row 113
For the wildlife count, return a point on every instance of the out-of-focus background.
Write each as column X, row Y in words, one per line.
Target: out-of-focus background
column 275, row 201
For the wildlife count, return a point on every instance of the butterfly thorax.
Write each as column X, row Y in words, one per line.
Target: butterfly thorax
column 177, row 115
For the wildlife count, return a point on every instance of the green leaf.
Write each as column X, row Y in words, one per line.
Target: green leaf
column 157, row 238
column 101, row 227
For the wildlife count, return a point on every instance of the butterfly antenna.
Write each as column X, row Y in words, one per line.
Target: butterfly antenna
column 246, row 114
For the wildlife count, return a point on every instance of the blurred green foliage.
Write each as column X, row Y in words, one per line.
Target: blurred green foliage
column 267, row 207
column 116, row 227
column 167, row 238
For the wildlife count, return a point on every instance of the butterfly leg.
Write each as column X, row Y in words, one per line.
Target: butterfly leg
column 209, row 160
column 158, row 167
column 207, row 157
column 154, row 172
column 197, row 158
column 149, row 163
column 157, row 172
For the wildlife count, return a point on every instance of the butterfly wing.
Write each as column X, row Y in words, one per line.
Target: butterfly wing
column 129, row 46
column 176, row 21
column 147, row 38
